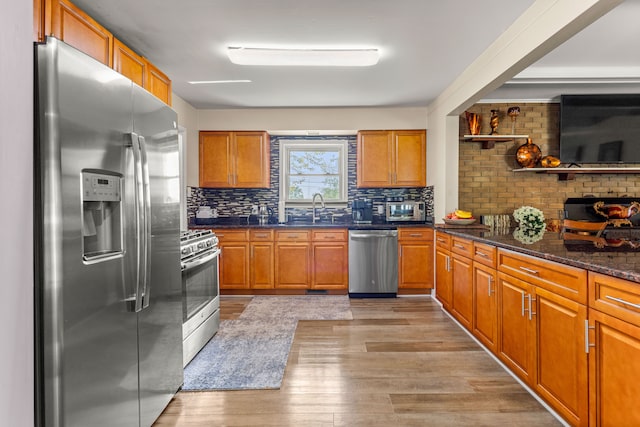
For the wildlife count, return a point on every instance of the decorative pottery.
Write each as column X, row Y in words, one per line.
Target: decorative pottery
column 549, row 162
column 493, row 122
column 513, row 112
column 473, row 120
column 528, row 155
column 617, row 211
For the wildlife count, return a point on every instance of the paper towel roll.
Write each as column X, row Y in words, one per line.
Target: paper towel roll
column 282, row 216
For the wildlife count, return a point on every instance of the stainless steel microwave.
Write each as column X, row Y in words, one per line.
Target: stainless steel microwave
column 405, row 211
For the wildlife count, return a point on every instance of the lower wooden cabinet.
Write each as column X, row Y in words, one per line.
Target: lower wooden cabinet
column 292, row 260
column 329, row 259
column 462, row 289
column 415, row 257
column 443, row 269
column 261, row 259
column 234, row 258
column 614, row 351
column 485, row 308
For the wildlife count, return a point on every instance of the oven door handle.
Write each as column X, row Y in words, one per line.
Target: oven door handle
column 196, row 262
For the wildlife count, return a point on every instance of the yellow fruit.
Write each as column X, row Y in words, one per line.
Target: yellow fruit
column 463, row 214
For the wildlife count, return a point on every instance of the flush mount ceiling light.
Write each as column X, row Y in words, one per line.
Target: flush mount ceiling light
column 304, row 57
column 211, row 82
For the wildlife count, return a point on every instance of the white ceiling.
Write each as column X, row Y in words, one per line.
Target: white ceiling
column 425, row 45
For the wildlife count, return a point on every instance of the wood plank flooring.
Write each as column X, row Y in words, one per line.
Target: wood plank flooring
column 400, row 362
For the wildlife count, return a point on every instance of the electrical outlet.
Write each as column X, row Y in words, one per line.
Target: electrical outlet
column 254, row 209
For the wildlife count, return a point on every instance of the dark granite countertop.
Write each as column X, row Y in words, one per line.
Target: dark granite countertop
column 622, row 262
column 345, row 222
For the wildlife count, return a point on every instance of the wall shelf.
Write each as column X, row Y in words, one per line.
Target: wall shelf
column 489, row 141
column 567, row 174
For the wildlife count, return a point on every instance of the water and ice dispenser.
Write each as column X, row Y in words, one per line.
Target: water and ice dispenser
column 101, row 214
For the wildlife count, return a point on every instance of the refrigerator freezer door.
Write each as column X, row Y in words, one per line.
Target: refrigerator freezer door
column 160, row 322
column 87, row 338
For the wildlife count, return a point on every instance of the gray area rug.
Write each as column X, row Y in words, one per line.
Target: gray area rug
column 251, row 352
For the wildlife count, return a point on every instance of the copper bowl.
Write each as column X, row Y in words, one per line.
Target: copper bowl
column 617, row 211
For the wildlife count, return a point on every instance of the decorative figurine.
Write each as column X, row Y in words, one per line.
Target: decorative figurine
column 493, row 122
column 513, row 112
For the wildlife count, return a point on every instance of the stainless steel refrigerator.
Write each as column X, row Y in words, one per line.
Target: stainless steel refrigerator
column 108, row 284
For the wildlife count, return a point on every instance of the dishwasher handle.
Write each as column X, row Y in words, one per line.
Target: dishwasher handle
column 364, row 235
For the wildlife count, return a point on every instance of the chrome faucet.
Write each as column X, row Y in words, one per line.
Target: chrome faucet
column 313, row 205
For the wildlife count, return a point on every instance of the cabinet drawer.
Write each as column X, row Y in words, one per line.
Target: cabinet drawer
column 462, row 246
column 293, row 235
column 408, row 234
column 564, row 280
column 261, row 235
column 232, row 235
column 484, row 254
column 329, row 235
column 617, row 297
column 443, row 240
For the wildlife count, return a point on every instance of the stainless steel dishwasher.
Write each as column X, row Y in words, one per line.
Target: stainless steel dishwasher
column 373, row 263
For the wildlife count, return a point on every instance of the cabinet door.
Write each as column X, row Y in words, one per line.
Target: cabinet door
column 234, row 265
column 373, row 165
column 516, row 333
column 330, row 268
column 74, row 27
column 292, row 265
column 416, row 261
column 614, row 371
column 251, row 153
column 410, row 158
column 158, row 83
column 485, row 308
column 462, row 290
column 561, row 377
column 215, row 159
column 443, row 277
column 262, row 261
column 38, row 20
column 128, row 63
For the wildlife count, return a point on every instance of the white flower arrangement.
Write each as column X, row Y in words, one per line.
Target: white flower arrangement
column 528, row 235
column 529, row 217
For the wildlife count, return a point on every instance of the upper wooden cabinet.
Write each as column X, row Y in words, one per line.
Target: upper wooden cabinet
column 63, row 20
column 74, row 27
column 234, row 159
column 394, row 158
column 129, row 64
column 158, row 83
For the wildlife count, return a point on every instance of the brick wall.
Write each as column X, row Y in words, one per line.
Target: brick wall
column 488, row 185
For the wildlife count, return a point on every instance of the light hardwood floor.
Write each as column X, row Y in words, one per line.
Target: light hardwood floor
column 400, row 362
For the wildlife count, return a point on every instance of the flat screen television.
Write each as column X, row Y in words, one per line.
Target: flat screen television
column 600, row 128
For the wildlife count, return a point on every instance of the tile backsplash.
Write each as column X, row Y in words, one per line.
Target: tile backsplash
column 237, row 202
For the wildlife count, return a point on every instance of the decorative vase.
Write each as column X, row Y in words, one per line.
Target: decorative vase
column 528, row 155
column 513, row 112
column 473, row 120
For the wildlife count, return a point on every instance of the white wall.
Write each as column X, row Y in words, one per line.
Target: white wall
column 16, row 193
column 544, row 26
column 188, row 118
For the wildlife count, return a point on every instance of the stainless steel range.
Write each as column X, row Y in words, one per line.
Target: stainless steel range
column 199, row 254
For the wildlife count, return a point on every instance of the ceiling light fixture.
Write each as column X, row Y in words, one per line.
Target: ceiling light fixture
column 207, row 82
column 304, row 57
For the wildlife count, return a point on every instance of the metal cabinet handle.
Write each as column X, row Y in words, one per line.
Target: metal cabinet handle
column 489, row 285
column 482, row 254
column 531, row 313
column 261, row 235
column 621, row 301
column 448, row 263
column 522, row 302
column 415, row 235
column 586, row 336
column 329, row 237
column 528, row 270
column 292, row 236
column 459, row 246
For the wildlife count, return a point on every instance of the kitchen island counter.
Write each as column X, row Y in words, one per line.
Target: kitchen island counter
column 622, row 261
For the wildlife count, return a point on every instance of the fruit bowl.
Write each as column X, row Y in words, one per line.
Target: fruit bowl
column 459, row 221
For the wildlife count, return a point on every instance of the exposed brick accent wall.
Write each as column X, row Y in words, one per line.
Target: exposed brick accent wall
column 488, row 185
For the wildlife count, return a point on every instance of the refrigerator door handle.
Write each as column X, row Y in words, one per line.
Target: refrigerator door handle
column 138, row 185
column 146, row 225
